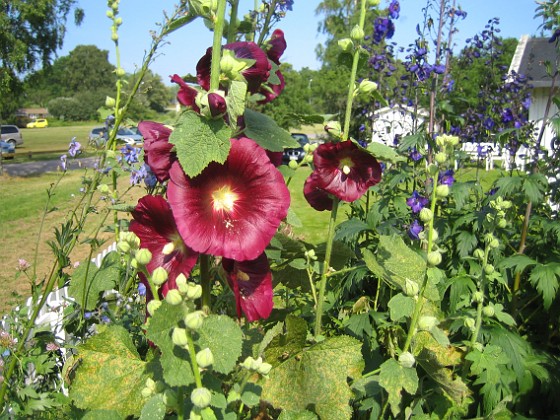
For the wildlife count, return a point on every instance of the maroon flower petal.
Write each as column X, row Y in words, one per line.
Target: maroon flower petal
column 217, row 104
column 158, row 153
column 232, row 209
column 270, row 91
column 345, row 170
column 251, row 282
column 275, row 157
column 255, row 75
column 276, row 46
column 317, row 197
column 154, row 224
column 187, row 94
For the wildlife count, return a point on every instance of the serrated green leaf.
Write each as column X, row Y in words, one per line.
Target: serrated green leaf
column 199, row 141
column 175, row 361
column 395, row 379
column 384, row 152
column 223, row 337
column 545, row 279
column 487, row 361
column 317, row 377
column 502, row 316
column 509, row 185
column 266, row 133
column 400, row 306
column 154, row 409
column 86, row 290
column 519, row 262
column 466, row 242
column 349, row 229
column 534, row 187
column 235, row 99
column 111, row 374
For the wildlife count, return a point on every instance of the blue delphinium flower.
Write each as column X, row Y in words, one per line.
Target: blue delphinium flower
column 414, row 230
column 74, row 148
column 394, row 9
column 416, row 202
column 129, row 154
column 446, row 178
column 142, row 289
column 415, row 155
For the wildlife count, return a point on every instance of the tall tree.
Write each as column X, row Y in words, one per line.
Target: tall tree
column 30, row 33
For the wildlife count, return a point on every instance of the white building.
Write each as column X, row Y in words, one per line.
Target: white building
column 394, row 121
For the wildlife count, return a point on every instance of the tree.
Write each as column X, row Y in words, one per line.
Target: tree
column 30, row 33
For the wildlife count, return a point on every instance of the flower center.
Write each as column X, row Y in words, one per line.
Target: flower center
column 224, row 199
column 345, row 165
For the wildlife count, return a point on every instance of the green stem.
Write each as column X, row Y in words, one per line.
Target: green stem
column 217, row 46
column 264, row 29
column 194, row 364
column 350, row 98
column 232, row 27
column 326, row 265
column 205, row 282
column 420, row 298
column 480, row 304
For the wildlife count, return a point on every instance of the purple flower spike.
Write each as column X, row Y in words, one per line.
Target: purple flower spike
column 416, row 202
column 414, row 230
column 446, row 178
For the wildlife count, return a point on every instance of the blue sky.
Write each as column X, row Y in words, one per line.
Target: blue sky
column 186, row 46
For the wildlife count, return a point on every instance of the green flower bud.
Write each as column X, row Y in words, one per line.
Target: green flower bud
column 173, row 297
column 367, row 86
column 182, row 285
column 441, row 157
column 333, row 128
column 264, row 368
column 308, row 158
column 227, row 64
column 118, row 21
column 427, row 322
column 469, row 323
column 426, row 214
column 120, row 71
column 489, row 269
column 410, row 288
column 374, row 3
column 434, row 258
column 134, row 263
column 179, row 337
column 115, row 37
column 109, row 14
column 115, row 5
column 103, row 188
column 478, row 254
column 123, row 246
column 407, row 359
column 361, row 305
column 146, row 393
column 488, row 311
column 442, row 190
column 194, row 320
column 494, row 243
column 110, row 102
column 194, row 291
column 251, row 364
column 159, row 276
column 502, row 223
column 357, row 33
column 478, row 296
column 435, row 235
column 346, row 44
column 153, row 306
column 205, row 358
column 311, row 254
column 293, row 164
column 489, row 238
column 506, row 204
column 201, row 397
column 143, row 256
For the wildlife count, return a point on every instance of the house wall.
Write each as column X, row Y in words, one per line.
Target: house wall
column 390, row 122
column 536, row 113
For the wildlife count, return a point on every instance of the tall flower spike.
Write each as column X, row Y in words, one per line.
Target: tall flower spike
column 158, row 152
column 345, row 170
column 251, row 282
column 153, row 223
column 232, row 209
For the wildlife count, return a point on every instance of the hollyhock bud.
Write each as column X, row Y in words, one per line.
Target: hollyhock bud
column 489, row 269
column 494, row 243
column 470, row 323
column 205, row 358
column 426, row 323
column 153, row 306
column 194, row 291
column 264, row 368
column 293, row 164
column 179, row 337
column 488, row 311
column 120, row 71
column 407, row 359
column 478, row 297
column 374, row 3
column 434, row 258
column 143, row 256
column 346, row 44
column 194, row 320
column 426, row 214
column 357, row 33
column 478, row 254
column 441, row 157
column 115, row 37
column 118, row 21
column 109, row 102
column 410, row 288
column 159, row 276
column 367, row 86
column 173, row 297
column 201, row 397
column 333, row 128
column 123, row 246
column 308, row 159
column 502, row 223
column 109, row 14
column 442, row 191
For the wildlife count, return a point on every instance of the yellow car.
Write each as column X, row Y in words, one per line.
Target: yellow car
column 38, row 123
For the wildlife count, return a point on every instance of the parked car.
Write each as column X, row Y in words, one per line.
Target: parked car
column 124, row 135
column 11, row 134
column 8, row 150
column 297, row 153
column 38, row 123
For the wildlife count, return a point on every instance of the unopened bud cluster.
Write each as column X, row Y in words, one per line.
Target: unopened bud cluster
column 257, row 365
column 128, row 242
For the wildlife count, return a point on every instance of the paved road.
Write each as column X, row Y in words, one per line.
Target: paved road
column 42, row 166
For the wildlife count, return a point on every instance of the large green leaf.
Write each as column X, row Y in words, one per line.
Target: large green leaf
column 175, row 361
column 111, row 374
column 88, row 281
column 488, row 361
column 395, row 378
column 265, row 132
column 223, row 337
column 317, row 377
column 199, row 141
column 384, row 153
column 545, row 279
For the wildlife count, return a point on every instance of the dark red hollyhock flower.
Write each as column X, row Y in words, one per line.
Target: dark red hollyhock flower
column 276, row 47
column 187, row 94
column 217, row 104
column 255, row 75
column 345, row 170
column 232, row 209
column 153, row 223
column 318, row 198
column 158, row 153
column 275, row 157
column 251, row 282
